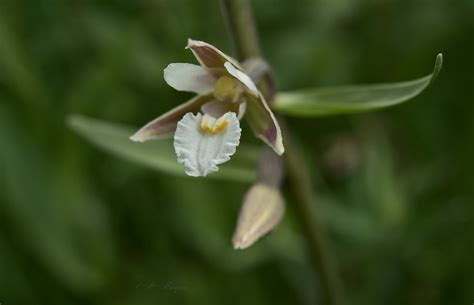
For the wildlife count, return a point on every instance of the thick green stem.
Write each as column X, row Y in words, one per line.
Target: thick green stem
column 238, row 14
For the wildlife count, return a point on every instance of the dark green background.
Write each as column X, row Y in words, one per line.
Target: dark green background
column 395, row 188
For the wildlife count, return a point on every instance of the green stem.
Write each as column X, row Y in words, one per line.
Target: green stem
column 299, row 182
column 238, row 14
column 239, row 17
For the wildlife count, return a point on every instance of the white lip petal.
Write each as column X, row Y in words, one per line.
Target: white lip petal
column 189, row 77
column 241, row 76
column 201, row 152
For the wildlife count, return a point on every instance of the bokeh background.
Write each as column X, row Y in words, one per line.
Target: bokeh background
column 395, row 187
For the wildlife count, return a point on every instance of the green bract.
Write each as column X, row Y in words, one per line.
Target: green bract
column 351, row 99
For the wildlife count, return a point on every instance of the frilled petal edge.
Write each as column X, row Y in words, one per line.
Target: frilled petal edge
column 202, row 143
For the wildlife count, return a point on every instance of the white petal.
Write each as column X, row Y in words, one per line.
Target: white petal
column 244, row 78
column 189, row 77
column 242, row 109
column 201, row 152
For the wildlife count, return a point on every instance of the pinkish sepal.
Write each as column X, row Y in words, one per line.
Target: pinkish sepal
column 209, row 56
column 165, row 125
column 263, row 122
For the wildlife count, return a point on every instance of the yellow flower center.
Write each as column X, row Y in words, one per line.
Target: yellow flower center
column 211, row 126
column 228, row 89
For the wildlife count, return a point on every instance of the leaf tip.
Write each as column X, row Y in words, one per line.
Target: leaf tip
column 438, row 64
column 136, row 138
column 73, row 121
column 437, row 67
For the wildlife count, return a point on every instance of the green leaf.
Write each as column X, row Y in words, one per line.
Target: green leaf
column 158, row 154
column 352, row 99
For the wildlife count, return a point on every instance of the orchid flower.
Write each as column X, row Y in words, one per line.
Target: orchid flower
column 207, row 128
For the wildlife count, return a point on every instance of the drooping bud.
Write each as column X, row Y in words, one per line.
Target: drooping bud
column 261, row 211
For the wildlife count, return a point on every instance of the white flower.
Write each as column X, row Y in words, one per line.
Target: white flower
column 206, row 128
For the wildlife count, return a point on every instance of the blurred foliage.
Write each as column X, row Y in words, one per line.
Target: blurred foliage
column 79, row 226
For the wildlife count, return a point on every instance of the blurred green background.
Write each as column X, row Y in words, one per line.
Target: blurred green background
column 395, row 188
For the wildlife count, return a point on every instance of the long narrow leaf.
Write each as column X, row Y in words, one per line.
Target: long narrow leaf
column 352, row 99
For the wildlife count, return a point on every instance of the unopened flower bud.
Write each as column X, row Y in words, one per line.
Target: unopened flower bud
column 261, row 211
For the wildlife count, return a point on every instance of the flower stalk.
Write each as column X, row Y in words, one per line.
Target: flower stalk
column 239, row 18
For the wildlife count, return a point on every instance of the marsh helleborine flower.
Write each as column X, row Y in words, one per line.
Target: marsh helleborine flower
column 207, row 128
